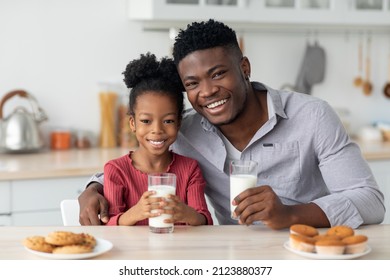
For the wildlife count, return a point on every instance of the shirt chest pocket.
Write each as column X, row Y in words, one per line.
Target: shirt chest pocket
column 279, row 162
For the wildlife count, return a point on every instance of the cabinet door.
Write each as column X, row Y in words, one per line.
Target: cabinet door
column 5, row 220
column 380, row 169
column 5, row 197
column 170, row 13
column 45, row 194
column 39, row 218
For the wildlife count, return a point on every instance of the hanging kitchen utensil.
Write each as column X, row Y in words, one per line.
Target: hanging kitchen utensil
column 312, row 69
column 19, row 132
column 386, row 89
column 358, row 81
column 241, row 43
column 367, row 85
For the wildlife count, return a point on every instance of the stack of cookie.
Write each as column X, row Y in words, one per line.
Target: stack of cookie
column 61, row 242
column 337, row 240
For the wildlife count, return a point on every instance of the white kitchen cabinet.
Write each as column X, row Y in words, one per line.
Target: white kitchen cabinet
column 250, row 13
column 37, row 202
column 5, row 220
column 5, row 203
column 380, row 169
column 38, row 218
column 5, row 198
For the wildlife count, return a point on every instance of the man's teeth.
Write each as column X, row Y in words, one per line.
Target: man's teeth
column 157, row 142
column 215, row 104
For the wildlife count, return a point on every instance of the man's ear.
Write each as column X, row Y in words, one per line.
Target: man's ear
column 132, row 123
column 246, row 67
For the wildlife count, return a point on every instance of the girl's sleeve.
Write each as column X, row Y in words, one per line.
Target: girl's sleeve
column 195, row 192
column 114, row 192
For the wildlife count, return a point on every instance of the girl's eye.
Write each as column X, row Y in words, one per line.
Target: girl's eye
column 169, row 121
column 144, row 121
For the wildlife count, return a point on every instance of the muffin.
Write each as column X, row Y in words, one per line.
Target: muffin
column 302, row 243
column 330, row 247
column 341, row 231
column 355, row 244
column 303, row 230
column 326, row 237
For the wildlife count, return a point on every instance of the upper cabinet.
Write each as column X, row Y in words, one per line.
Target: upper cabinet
column 256, row 13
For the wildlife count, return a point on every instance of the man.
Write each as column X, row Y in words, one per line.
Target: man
column 310, row 172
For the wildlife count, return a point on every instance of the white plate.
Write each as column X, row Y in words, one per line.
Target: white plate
column 102, row 246
column 326, row 257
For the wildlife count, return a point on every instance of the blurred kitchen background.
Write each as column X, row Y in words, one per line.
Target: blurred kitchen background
column 70, row 54
column 65, row 52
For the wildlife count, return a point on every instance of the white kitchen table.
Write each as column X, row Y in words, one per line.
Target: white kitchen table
column 187, row 243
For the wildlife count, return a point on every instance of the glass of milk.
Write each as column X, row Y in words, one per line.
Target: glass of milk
column 243, row 175
column 164, row 184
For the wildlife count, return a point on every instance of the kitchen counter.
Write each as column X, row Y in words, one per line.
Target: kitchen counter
column 375, row 150
column 51, row 164
column 86, row 162
column 188, row 243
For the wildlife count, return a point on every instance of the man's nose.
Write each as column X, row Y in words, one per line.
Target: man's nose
column 208, row 89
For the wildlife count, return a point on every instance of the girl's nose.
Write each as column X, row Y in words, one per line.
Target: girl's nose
column 157, row 127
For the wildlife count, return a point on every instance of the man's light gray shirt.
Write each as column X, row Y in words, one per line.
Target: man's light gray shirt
column 304, row 154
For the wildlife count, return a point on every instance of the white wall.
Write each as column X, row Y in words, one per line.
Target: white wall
column 276, row 59
column 59, row 50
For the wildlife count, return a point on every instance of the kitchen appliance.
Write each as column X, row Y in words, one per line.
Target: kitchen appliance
column 19, row 131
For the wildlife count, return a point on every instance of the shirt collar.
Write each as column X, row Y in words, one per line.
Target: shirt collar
column 274, row 100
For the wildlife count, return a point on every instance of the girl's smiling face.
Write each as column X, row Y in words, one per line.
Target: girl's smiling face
column 155, row 122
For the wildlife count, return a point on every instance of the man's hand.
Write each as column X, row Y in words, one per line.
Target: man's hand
column 262, row 204
column 92, row 203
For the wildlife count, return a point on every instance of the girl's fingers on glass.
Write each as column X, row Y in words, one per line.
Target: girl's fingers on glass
column 154, row 214
column 155, row 199
column 154, row 206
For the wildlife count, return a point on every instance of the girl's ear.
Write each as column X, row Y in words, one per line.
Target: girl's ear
column 132, row 123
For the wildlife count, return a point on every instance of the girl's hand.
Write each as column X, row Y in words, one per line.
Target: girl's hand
column 143, row 209
column 181, row 212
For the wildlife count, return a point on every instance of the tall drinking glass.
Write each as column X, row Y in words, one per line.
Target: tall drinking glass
column 164, row 184
column 243, row 175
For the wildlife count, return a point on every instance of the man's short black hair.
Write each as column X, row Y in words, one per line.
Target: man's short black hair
column 203, row 35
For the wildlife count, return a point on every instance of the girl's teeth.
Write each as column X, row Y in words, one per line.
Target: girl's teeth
column 156, row 142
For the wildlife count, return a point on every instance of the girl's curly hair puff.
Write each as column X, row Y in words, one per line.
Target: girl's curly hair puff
column 148, row 74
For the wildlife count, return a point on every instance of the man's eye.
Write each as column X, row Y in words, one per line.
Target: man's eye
column 218, row 74
column 191, row 85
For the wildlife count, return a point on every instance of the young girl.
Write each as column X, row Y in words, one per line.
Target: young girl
column 155, row 108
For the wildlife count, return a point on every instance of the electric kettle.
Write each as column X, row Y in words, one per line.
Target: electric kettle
column 19, row 131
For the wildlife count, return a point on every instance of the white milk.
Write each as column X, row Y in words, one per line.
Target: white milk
column 238, row 184
column 161, row 191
